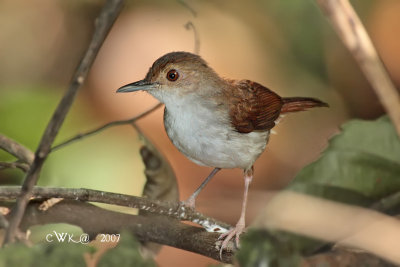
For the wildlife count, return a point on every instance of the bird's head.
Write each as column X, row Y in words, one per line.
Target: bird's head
column 174, row 75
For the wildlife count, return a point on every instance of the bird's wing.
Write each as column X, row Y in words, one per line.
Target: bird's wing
column 253, row 107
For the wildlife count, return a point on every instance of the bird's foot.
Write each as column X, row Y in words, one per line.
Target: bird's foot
column 232, row 233
column 189, row 203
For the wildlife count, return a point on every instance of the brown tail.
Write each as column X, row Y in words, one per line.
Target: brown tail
column 294, row 104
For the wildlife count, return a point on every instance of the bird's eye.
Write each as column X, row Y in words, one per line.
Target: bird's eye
column 172, row 75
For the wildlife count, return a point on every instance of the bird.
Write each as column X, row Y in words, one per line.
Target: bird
column 214, row 121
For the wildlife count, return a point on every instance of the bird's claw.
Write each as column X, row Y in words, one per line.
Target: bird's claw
column 228, row 236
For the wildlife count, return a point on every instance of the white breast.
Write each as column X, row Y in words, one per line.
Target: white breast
column 208, row 138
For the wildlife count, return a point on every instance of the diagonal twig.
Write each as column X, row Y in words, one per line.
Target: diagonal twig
column 13, row 165
column 188, row 7
column 105, row 126
column 355, row 37
column 103, row 25
column 16, row 149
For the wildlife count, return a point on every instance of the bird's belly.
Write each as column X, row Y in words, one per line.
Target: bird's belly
column 215, row 145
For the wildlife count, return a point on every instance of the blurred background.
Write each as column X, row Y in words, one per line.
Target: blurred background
column 287, row 46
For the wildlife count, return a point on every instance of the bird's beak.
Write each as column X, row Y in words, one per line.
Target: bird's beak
column 141, row 85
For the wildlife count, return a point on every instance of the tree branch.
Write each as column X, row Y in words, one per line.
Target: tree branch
column 95, row 220
column 105, row 126
column 169, row 209
column 355, row 37
column 13, row 165
column 16, row 149
column 103, row 25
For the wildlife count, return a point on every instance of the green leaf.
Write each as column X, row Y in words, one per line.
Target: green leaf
column 62, row 254
column 71, row 254
column 267, row 248
column 373, row 137
column 360, row 165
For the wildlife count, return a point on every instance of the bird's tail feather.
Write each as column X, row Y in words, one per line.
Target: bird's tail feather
column 294, row 104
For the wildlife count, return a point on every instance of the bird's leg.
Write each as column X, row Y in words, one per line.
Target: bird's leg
column 238, row 229
column 191, row 201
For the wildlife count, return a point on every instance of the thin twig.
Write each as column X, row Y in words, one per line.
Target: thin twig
column 188, row 7
column 355, row 37
column 189, row 26
column 16, row 149
column 105, row 126
column 173, row 210
column 103, row 25
column 14, row 165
